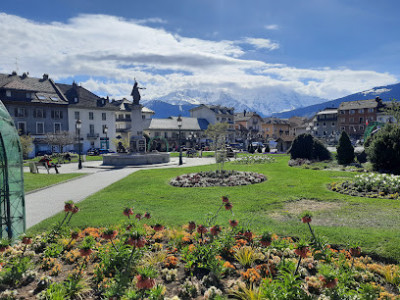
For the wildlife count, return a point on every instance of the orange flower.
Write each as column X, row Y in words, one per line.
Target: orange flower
column 251, row 276
column 228, row 265
column 171, row 262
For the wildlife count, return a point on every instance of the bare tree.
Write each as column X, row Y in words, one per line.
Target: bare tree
column 61, row 139
column 218, row 133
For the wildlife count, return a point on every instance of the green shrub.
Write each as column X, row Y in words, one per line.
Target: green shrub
column 384, row 150
column 307, row 147
column 267, row 149
column 345, row 150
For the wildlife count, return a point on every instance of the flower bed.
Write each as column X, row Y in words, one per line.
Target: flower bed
column 253, row 159
column 137, row 260
column 217, row 178
column 370, row 185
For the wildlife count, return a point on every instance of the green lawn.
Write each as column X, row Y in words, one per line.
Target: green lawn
column 273, row 205
column 37, row 181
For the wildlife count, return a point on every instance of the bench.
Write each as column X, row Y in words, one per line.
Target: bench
column 34, row 167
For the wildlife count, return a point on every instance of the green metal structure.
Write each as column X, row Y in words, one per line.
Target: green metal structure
column 371, row 127
column 12, row 199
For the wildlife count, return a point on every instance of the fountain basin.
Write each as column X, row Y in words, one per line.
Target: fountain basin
column 135, row 159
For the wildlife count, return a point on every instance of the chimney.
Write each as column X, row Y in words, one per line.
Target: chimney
column 74, row 85
column 45, row 76
column 244, row 113
column 25, row 75
column 14, row 73
column 377, row 99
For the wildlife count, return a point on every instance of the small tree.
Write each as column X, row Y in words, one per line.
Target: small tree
column 26, row 144
column 384, row 149
column 121, row 144
column 345, row 150
column 266, row 150
column 305, row 146
column 250, row 148
column 218, row 133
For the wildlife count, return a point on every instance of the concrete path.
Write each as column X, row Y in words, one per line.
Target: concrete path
column 47, row 202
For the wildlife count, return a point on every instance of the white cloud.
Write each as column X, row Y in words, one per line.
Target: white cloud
column 111, row 51
column 262, row 43
column 271, row 27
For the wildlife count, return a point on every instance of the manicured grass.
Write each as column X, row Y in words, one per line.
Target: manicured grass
column 205, row 154
column 274, row 205
column 37, row 181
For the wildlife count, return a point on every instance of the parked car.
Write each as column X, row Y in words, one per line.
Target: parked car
column 44, row 152
column 93, row 151
column 105, row 151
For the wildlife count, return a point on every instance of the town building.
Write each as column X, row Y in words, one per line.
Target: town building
column 37, row 106
column 273, row 128
column 248, row 126
column 97, row 116
column 354, row 116
column 166, row 132
column 325, row 126
column 216, row 114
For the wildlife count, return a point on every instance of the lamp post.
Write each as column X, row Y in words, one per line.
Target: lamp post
column 78, row 125
column 179, row 120
column 106, row 131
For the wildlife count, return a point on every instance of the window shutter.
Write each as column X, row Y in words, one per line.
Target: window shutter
column 52, row 114
column 16, row 112
column 61, row 114
column 44, row 113
column 34, row 113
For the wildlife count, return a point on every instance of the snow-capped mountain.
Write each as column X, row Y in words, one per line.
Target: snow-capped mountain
column 265, row 102
column 386, row 93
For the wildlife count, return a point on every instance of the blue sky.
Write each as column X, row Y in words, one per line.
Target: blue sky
column 322, row 48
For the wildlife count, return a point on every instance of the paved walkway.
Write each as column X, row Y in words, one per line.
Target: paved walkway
column 47, row 202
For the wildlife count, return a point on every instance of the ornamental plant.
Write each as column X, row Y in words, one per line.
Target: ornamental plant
column 345, row 150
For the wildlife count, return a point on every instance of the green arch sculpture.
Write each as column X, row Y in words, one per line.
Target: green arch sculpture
column 12, row 198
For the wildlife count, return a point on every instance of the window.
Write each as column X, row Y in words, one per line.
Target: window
column 343, row 120
column 56, row 114
column 120, row 116
column 166, row 134
column 91, row 116
column 20, row 112
column 76, row 100
column 76, row 115
column 57, row 127
column 342, row 112
column 352, row 111
column 39, row 127
column 8, row 93
column 104, row 116
column 361, row 111
column 41, row 97
column 39, row 113
column 104, row 126
column 54, row 98
column 361, row 120
column 351, row 120
column 21, row 127
column 143, row 117
column 333, row 124
column 324, row 124
column 371, row 110
column 28, row 96
column 157, row 133
column 91, row 129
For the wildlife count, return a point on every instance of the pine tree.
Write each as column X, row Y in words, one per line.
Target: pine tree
column 345, row 150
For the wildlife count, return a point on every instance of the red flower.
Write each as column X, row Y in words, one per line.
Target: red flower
column 138, row 242
column 138, row 216
column 228, row 206
column 144, row 283
column 306, row 219
column 128, row 212
column 74, row 235
column 265, row 243
column 3, row 248
column 147, row 215
column 75, row 209
column 202, row 229
column 248, row 234
column 215, row 230
column 26, row 240
column 302, row 252
column 329, row 284
column 109, row 236
column 85, row 252
column 68, row 207
column 225, row 199
column 129, row 227
column 356, row 251
column 192, row 226
column 233, row 223
column 158, row 227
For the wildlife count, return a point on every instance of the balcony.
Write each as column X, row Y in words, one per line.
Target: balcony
column 123, row 119
column 92, row 136
column 123, row 129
